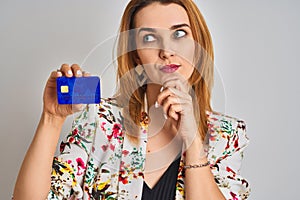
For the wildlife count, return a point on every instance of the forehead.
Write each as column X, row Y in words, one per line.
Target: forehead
column 158, row 15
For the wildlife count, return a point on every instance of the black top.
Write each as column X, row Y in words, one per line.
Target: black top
column 165, row 188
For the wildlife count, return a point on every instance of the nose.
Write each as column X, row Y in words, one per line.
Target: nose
column 166, row 52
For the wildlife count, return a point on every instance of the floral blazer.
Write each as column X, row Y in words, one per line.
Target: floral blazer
column 97, row 161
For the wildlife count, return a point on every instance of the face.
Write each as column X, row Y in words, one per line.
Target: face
column 165, row 45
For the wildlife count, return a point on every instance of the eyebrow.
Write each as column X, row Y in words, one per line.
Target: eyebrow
column 179, row 26
column 153, row 30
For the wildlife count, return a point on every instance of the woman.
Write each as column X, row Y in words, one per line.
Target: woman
column 147, row 142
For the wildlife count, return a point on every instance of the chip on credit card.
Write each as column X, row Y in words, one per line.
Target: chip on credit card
column 78, row 90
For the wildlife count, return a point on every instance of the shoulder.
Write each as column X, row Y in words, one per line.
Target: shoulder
column 226, row 134
column 224, row 125
column 227, row 141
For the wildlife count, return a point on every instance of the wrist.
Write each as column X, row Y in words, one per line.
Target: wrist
column 196, row 152
column 52, row 120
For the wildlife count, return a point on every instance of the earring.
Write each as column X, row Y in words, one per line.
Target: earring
column 141, row 75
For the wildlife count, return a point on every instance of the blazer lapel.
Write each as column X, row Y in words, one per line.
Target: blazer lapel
column 131, row 177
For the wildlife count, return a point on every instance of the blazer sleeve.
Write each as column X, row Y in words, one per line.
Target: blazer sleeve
column 68, row 168
column 228, row 141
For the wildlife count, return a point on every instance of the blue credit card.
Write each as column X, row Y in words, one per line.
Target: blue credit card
column 78, row 90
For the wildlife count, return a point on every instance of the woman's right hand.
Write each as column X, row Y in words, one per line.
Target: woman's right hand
column 35, row 173
column 51, row 106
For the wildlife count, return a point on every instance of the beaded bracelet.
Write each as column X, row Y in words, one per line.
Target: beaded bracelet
column 196, row 166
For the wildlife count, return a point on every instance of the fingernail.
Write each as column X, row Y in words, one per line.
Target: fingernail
column 70, row 72
column 161, row 89
column 79, row 72
column 165, row 116
column 86, row 72
column 156, row 104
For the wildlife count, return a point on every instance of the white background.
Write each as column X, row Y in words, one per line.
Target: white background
column 256, row 52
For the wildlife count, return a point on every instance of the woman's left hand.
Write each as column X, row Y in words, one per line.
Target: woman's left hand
column 177, row 104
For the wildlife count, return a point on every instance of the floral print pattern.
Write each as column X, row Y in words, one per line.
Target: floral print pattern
column 97, row 161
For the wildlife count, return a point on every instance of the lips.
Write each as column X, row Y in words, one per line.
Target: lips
column 170, row 68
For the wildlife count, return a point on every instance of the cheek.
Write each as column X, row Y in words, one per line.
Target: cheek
column 188, row 70
column 147, row 56
column 186, row 51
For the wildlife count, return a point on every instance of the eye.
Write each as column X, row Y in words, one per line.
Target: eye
column 149, row 38
column 179, row 34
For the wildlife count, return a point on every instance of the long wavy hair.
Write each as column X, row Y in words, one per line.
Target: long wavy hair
column 201, row 79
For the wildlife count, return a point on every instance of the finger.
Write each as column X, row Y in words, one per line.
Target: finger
column 76, row 70
column 168, row 102
column 166, row 92
column 86, row 74
column 55, row 74
column 184, row 103
column 172, row 107
column 163, row 95
column 66, row 70
column 174, row 111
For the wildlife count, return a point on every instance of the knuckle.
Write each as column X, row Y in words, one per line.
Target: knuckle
column 170, row 90
column 174, row 112
column 65, row 65
column 173, row 108
column 171, row 100
column 75, row 66
column 167, row 90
